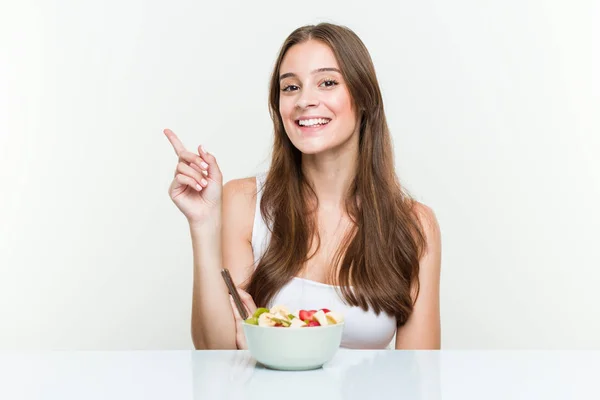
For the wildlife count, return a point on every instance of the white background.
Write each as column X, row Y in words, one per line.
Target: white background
column 493, row 107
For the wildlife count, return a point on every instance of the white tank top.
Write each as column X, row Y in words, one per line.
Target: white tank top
column 362, row 330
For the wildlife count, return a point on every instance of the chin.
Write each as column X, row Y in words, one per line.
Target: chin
column 310, row 150
column 312, row 145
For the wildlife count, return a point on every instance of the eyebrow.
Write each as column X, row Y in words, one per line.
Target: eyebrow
column 289, row 74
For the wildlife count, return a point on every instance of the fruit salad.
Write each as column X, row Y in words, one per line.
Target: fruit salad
column 280, row 317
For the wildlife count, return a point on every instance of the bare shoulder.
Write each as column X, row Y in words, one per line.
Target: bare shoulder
column 239, row 200
column 243, row 188
column 430, row 226
column 426, row 217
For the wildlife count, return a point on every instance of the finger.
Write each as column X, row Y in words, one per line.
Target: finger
column 214, row 172
column 186, row 180
column 193, row 159
column 185, row 169
column 248, row 301
column 197, row 168
column 175, row 142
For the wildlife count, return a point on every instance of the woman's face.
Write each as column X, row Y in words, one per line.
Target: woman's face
column 314, row 102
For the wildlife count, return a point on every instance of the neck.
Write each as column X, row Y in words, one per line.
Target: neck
column 331, row 173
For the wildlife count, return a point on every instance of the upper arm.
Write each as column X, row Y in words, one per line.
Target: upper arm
column 422, row 330
column 236, row 228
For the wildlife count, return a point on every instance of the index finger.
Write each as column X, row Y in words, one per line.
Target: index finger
column 175, row 142
column 247, row 300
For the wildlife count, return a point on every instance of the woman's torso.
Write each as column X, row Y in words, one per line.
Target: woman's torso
column 362, row 330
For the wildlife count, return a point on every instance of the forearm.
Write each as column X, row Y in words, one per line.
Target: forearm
column 213, row 325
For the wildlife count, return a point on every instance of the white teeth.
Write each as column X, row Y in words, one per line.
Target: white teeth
column 313, row 122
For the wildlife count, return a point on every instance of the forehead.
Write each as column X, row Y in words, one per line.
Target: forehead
column 305, row 57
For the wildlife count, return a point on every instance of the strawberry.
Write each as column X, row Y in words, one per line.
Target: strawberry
column 325, row 310
column 305, row 315
column 314, row 323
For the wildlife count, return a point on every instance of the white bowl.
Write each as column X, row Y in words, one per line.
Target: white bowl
column 293, row 349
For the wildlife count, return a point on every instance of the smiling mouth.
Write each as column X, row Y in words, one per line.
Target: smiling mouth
column 312, row 123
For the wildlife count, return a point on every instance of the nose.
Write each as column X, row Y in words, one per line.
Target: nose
column 307, row 99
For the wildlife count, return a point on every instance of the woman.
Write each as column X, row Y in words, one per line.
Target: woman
column 328, row 226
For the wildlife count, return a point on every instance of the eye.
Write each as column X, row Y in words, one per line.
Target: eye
column 329, row 83
column 289, row 88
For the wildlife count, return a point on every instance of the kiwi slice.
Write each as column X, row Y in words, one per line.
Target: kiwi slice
column 260, row 311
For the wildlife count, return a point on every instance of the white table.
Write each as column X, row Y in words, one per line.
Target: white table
column 352, row 374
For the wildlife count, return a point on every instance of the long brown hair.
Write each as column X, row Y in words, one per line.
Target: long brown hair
column 380, row 254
